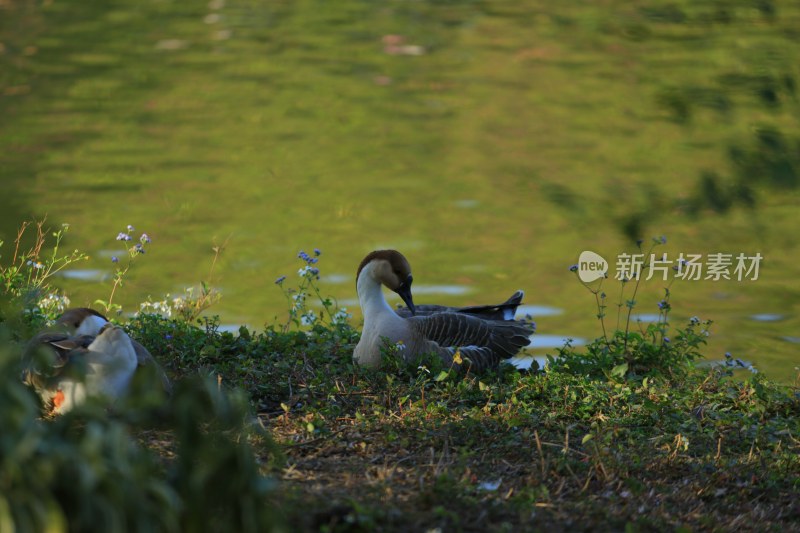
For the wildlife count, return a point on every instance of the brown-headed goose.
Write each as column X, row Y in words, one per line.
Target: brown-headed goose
column 85, row 355
column 483, row 335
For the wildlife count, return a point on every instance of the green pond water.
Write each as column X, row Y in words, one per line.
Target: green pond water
column 490, row 142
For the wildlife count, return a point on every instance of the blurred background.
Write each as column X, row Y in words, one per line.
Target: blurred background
column 489, row 141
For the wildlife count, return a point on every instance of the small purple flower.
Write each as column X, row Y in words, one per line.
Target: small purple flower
column 573, row 268
column 314, row 272
column 666, row 339
column 639, row 243
column 302, row 255
column 145, row 238
column 123, row 237
column 312, row 260
column 602, row 295
column 663, row 239
column 130, row 228
column 168, row 336
column 280, row 280
column 114, row 259
column 139, row 248
column 317, row 252
column 728, row 355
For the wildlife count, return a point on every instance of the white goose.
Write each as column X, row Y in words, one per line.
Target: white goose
column 85, row 356
column 483, row 335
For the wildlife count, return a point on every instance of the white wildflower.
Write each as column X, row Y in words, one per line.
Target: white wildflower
column 341, row 316
column 309, row 318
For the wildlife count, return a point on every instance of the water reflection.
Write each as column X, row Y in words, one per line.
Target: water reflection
column 554, row 341
column 85, row 274
column 231, row 328
column 646, row 317
column 526, row 362
column 729, row 362
column 767, row 317
column 537, row 311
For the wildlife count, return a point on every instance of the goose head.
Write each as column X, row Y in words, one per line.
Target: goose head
column 81, row 321
column 391, row 269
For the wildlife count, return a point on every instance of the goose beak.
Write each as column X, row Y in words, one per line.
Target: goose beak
column 404, row 290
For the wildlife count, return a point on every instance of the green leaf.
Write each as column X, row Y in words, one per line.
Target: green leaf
column 586, row 438
column 442, row 376
column 620, row 370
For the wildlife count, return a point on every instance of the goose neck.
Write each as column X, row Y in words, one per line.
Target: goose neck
column 370, row 297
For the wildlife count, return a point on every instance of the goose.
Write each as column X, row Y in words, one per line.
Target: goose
column 483, row 335
column 85, row 355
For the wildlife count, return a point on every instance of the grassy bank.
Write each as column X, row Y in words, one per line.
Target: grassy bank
column 401, row 449
column 338, row 448
column 278, row 429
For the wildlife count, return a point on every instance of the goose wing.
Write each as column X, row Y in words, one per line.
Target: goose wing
column 146, row 360
column 503, row 311
column 50, row 354
column 483, row 342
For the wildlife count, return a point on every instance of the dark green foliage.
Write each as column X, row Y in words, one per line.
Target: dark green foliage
column 676, row 104
column 216, row 473
column 86, row 471
column 647, row 353
column 269, row 365
column 771, row 158
column 712, row 194
column 665, row 13
column 621, row 425
column 618, row 426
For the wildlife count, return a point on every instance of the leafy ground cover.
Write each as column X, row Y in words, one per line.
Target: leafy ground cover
column 418, row 448
column 279, row 430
